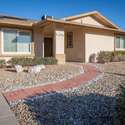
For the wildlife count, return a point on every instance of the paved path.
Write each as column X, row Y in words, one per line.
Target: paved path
column 6, row 115
column 90, row 73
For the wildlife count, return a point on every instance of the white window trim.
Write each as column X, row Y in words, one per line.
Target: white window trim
column 118, row 49
column 14, row 53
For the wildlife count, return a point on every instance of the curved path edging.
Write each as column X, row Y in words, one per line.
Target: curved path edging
column 90, row 73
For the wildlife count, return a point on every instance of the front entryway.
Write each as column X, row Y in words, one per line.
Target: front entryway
column 48, row 47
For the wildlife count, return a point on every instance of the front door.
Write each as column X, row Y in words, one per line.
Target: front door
column 48, row 47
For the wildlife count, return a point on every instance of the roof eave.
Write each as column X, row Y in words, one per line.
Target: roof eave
column 89, row 14
column 41, row 23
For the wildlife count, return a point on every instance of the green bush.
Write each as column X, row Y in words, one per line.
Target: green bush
column 38, row 61
column 33, row 61
column 45, row 61
column 108, row 56
column 2, row 63
column 50, row 61
column 21, row 61
column 116, row 58
column 119, row 52
column 120, row 106
column 120, row 55
column 104, row 56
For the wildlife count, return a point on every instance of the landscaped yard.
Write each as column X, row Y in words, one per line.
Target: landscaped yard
column 10, row 80
column 92, row 103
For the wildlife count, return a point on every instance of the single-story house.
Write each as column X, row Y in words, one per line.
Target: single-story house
column 72, row 38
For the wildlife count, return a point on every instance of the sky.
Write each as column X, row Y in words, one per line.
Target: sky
column 114, row 10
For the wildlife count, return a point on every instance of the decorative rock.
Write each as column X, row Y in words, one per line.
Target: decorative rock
column 18, row 68
column 36, row 69
column 89, row 104
column 52, row 73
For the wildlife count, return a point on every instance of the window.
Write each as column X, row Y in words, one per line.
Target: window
column 120, row 42
column 16, row 41
column 69, row 39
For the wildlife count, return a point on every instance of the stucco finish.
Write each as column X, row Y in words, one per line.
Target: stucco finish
column 60, row 58
column 59, row 42
column 88, row 20
column 77, row 52
column 96, row 42
column 59, row 46
column 38, row 39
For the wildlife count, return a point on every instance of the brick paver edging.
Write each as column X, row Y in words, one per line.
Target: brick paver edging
column 90, row 73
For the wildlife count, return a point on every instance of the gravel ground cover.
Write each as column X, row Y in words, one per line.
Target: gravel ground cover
column 89, row 104
column 10, row 80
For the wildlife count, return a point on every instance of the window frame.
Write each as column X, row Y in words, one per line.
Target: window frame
column 68, row 40
column 119, row 45
column 15, row 53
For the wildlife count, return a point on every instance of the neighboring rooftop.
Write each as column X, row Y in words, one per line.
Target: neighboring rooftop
column 6, row 16
column 16, row 21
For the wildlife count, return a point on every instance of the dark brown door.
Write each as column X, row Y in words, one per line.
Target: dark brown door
column 48, row 47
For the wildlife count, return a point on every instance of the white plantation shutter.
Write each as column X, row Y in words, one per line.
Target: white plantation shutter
column 16, row 41
column 10, row 40
column 24, row 42
column 120, row 42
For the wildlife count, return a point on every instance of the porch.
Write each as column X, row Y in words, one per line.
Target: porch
column 65, row 43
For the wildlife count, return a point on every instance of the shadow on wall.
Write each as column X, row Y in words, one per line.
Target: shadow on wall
column 59, row 109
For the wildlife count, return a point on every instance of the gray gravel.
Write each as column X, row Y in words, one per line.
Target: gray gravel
column 89, row 104
column 10, row 80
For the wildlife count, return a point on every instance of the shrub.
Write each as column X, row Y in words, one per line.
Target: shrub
column 92, row 58
column 35, row 61
column 104, row 56
column 2, row 63
column 45, row 61
column 122, row 58
column 50, row 61
column 116, row 58
column 120, row 106
column 119, row 52
column 38, row 61
column 21, row 61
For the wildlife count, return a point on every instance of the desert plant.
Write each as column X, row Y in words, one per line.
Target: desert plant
column 92, row 58
column 104, row 56
column 45, row 61
column 21, row 61
column 2, row 63
column 122, row 57
column 50, row 61
column 116, row 58
column 38, row 61
column 120, row 106
column 33, row 61
column 119, row 52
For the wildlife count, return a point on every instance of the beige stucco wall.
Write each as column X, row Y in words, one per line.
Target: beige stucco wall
column 59, row 46
column 59, row 42
column 96, row 42
column 87, row 20
column 38, row 38
column 77, row 52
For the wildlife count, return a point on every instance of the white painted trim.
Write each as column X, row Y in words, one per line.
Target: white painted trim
column 14, row 53
column 120, row 49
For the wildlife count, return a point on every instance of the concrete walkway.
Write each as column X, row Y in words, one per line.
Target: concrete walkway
column 6, row 115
